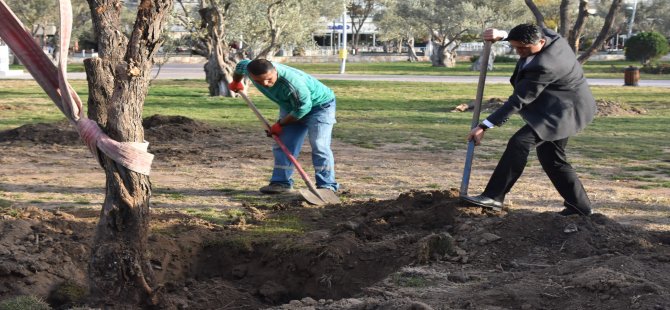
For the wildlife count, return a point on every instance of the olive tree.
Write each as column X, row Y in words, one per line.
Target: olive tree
column 573, row 31
column 448, row 22
column 259, row 28
column 118, row 84
column 394, row 27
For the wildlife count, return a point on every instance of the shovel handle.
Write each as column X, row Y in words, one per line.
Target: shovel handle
column 283, row 147
column 302, row 173
column 483, row 67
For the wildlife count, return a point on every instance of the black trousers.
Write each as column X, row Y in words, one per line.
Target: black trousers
column 554, row 162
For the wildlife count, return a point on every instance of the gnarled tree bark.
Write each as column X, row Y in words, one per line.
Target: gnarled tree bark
column 219, row 67
column 119, row 269
column 275, row 31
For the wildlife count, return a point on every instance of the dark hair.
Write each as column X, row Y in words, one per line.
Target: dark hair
column 260, row 66
column 526, row 34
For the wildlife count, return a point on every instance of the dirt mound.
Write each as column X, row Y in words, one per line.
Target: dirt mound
column 422, row 250
column 159, row 128
column 61, row 133
column 613, row 108
column 168, row 128
column 604, row 107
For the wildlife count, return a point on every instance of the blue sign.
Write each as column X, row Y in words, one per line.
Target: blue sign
column 337, row 27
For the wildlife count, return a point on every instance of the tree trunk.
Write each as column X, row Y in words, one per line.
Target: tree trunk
column 411, row 53
column 219, row 67
column 604, row 32
column 119, row 269
column 443, row 57
column 578, row 28
column 275, row 31
column 539, row 18
column 564, row 13
column 55, row 52
column 477, row 65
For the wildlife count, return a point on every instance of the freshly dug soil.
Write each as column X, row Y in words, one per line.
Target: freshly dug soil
column 421, row 249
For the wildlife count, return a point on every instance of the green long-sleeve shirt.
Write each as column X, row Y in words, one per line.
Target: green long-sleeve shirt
column 295, row 91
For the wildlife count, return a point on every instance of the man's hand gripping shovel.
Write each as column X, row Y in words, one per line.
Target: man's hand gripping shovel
column 313, row 195
column 475, row 117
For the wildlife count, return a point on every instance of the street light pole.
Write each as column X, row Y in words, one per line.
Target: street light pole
column 343, row 51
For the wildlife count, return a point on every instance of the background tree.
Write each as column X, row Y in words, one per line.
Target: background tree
column 41, row 15
column 118, row 79
column 393, row 27
column 444, row 22
column 574, row 31
column 501, row 14
column 450, row 21
column 267, row 26
column 653, row 16
column 36, row 15
column 261, row 27
column 215, row 46
column 359, row 11
column 646, row 46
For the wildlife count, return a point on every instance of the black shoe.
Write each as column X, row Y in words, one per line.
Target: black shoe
column 484, row 201
column 570, row 211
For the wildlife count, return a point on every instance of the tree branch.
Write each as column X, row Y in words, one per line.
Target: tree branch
column 564, row 18
column 604, row 32
column 539, row 18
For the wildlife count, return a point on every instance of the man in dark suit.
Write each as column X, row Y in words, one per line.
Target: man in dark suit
column 554, row 99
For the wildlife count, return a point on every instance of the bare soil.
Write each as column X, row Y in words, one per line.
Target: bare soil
column 400, row 239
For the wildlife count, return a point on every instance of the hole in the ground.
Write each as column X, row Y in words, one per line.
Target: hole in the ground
column 344, row 250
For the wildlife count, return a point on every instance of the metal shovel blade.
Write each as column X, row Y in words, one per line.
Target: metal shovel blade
column 322, row 196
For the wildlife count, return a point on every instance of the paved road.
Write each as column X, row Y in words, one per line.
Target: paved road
column 195, row 71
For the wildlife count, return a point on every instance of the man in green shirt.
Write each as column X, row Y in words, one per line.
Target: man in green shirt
column 306, row 107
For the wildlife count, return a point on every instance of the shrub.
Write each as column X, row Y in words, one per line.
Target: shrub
column 661, row 68
column 646, row 46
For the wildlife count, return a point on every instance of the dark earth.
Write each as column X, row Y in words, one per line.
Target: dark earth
column 422, row 249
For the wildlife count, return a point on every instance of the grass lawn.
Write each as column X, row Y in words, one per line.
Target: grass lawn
column 372, row 114
column 592, row 69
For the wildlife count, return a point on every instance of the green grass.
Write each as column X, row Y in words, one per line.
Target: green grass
column 592, row 69
column 24, row 302
column 406, row 279
column 73, row 67
column 5, row 203
column 216, row 216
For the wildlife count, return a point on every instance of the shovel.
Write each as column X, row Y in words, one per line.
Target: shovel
column 484, row 63
column 313, row 195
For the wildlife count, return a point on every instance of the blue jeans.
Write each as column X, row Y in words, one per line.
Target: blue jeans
column 318, row 124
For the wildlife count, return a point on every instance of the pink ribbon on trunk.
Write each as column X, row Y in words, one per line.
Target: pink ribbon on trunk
column 132, row 155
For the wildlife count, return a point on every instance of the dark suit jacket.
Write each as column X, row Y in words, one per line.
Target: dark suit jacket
column 550, row 93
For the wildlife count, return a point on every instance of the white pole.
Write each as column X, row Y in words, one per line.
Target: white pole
column 632, row 20
column 343, row 51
